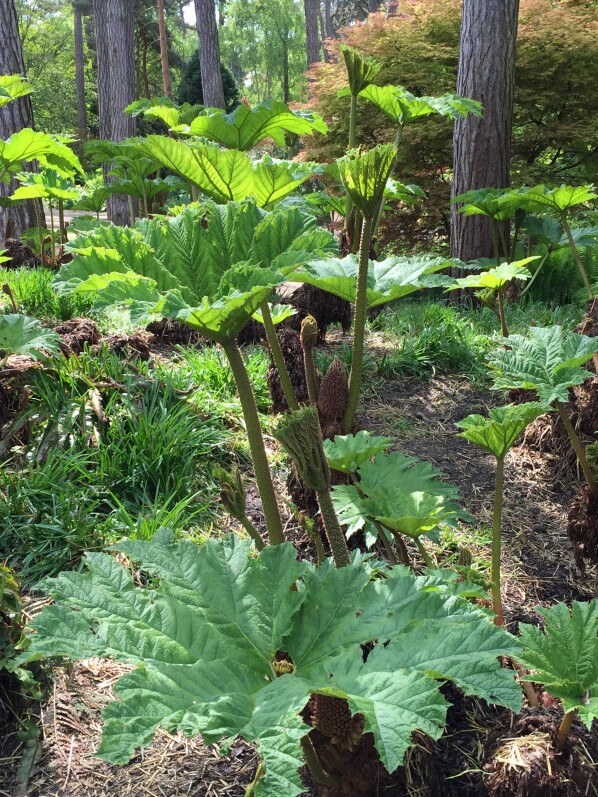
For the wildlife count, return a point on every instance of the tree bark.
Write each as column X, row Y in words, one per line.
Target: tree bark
column 329, row 27
column 209, row 54
column 14, row 117
column 164, row 50
column 114, row 26
column 482, row 145
column 312, row 38
column 82, row 132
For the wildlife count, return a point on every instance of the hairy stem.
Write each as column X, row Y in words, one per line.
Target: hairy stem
column 576, row 257
column 535, row 274
column 352, row 143
column 131, row 210
column 356, row 375
column 253, row 533
column 277, row 356
column 402, row 548
column 313, row 762
column 501, row 313
column 528, row 689
column 13, row 302
column 334, row 533
column 496, row 541
column 256, row 443
column 392, row 557
column 564, row 728
column 311, row 376
column 53, row 242
column 495, row 246
column 579, row 449
column 424, row 554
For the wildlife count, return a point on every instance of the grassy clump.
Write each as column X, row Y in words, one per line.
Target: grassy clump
column 34, row 295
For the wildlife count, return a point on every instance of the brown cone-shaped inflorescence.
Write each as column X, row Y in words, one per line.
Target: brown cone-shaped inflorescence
column 333, row 395
column 293, row 357
column 582, row 527
column 309, row 332
column 332, row 717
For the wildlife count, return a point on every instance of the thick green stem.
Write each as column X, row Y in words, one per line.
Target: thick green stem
column 256, row 443
column 501, row 312
column 496, row 541
column 61, row 224
column 495, row 246
column 503, row 239
column 314, row 764
column 40, row 233
column 528, row 689
column 576, row 257
column 424, row 554
column 399, row 135
column 535, row 274
column 579, row 449
column 334, row 533
column 402, row 548
column 392, row 557
column 564, row 728
column 516, row 231
column 356, row 375
column 253, row 533
column 53, row 242
column 131, row 210
column 277, row 356
column 311, row 376
column 352, row 144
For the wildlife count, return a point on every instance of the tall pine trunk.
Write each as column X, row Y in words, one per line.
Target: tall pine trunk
column 14, row 117
column 482, row 145
column 82, row 131
column 312, row 38
column 209, row 54
column 114, row 27
column 164, row 50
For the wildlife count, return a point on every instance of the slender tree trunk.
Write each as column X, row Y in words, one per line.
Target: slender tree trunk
column 114, row 22
column 286, row 90
column 221, row 12
column 329, row 27
column 164, row 50
column 322, row 25
column 144, row 76
column 209, row 54
column 14, row 117
column 373, row 5
column 82, row 132
column 312, row 38
column 482, row 145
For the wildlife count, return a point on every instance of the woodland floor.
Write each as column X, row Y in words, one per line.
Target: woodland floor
column 538, row 569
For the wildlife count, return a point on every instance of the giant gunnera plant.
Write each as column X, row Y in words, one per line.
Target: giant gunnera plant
column 227, row 644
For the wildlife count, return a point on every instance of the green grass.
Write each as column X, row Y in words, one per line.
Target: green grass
column 34, row 295
column 115, row 451
column 433, row 337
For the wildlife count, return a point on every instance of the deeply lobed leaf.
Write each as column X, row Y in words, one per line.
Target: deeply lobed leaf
column 498, row 432
column 205, row 635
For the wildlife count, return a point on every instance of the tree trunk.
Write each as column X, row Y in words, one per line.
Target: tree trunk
column 312, row 39
column 286, row 89
column 373, row 5
column 164, row 50
column 114, row 25
column 482, row 145
column 14, row 117
column 80, row 74
column 329, row 27
column 209, row 54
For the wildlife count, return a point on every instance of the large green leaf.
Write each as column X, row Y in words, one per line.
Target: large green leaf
column 346, row 453
column 496, row 278
column 245, row 127
column 206, row 634
column 401, row 492
column 20, row 334
column 365, row 175
column 12, row 87
column 28, row 145
column 548, row 361
column 404, row 107
column 499, row 431
column 210, row 267
column 45, row 185
column 361, row 69
column 557, row 200
column 388, row 279
column 564, row 656
column 497, row 203
column 225, row 175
